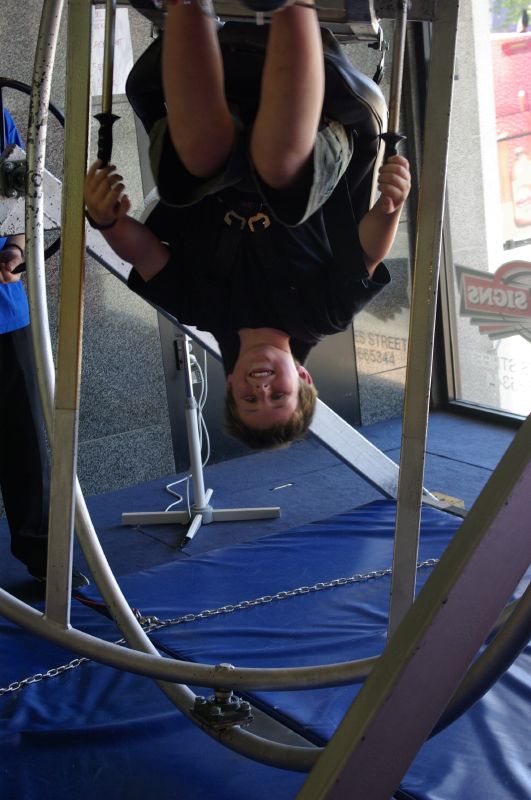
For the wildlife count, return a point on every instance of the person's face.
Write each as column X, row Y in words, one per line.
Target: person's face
column 265, row 385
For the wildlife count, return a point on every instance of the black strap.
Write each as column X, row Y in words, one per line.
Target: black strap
column 340, row 224
column 96, row 225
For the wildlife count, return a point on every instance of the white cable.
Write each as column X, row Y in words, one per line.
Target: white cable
column 202, row 427
column 205, row 391
column 169, row 488
column 188, row 498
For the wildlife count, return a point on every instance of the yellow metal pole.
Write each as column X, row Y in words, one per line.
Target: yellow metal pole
column 66, row 409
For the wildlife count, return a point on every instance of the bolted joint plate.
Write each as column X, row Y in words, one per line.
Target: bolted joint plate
column 223, row 710
column 13, row 169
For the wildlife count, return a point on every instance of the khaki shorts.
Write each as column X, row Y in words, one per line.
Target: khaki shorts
column 177, row 187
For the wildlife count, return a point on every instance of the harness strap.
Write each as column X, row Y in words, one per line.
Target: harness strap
column 340, row 224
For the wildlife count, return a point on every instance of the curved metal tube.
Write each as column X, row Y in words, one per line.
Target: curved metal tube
column 497, row 657
column 36, row 151
column 151, row 664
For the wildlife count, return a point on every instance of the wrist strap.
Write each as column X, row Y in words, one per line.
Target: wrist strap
column 10, row 245
column 96, row 225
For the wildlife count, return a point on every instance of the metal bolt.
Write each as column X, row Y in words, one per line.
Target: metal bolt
column 223, row 695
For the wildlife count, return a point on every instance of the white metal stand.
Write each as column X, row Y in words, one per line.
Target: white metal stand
column 201, row 512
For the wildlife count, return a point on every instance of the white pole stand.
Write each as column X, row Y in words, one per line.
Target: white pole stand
column 201, row 512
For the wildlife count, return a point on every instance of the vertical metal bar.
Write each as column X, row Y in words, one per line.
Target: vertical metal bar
column 423, row 309
column 449, row 311
column 66, row 413
column 393, row 136
column 399, row 47
column 413, row 681
column 36, row 153
column 106, row 118
column 108, row 56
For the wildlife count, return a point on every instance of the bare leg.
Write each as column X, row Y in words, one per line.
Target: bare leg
column 291, row 100
column 199, row 120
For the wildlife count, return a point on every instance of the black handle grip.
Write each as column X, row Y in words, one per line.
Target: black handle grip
column 392, row 140
column 106, row 120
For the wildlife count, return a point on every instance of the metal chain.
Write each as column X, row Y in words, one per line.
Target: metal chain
column 151, row 623
column 40, row 676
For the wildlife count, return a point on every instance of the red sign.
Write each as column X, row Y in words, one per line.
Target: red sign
column 498, row 303
column 511, row 61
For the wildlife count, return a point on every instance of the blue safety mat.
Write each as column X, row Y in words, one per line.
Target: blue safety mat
column 96, row 732
column 484, row 754
column 330, row 625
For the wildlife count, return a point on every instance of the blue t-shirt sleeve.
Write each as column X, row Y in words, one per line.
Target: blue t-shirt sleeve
column 10, row 130
column 14, row 312
column 11, row 137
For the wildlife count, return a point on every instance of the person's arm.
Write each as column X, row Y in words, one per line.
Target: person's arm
column 13, row 253
column 131, row 240
column 377, row 229
column 11, row 256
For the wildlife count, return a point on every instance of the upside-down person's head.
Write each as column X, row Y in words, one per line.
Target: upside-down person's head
column 270, row 398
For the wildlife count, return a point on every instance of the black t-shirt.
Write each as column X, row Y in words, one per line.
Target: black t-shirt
column 223, row 277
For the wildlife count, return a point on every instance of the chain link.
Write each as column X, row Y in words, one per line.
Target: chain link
column 151, row 624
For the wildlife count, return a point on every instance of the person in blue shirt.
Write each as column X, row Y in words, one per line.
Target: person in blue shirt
column 24, row 460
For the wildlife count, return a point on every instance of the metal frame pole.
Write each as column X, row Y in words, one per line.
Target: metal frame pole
column 423, row 312
column 70, row 328
column 106, row 118
column 36, row 153
column 399, row 48
column 108, row 59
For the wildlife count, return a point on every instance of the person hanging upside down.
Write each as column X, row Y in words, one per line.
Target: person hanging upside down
column 238, row 245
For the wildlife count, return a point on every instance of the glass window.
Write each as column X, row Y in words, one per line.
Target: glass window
column 486, row 283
